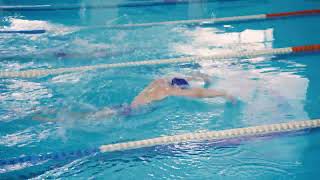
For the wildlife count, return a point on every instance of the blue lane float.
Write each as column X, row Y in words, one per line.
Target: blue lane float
column 36, row 31
column 57, row 156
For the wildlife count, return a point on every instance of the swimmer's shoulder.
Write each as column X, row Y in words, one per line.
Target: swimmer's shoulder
column 161, row 81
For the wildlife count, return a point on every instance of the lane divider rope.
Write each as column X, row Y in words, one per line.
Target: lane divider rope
column 48, row 7
column 35, row 31
column 263, row 130
column 183, row 22
column 219, row 20
column 45, row 72
column 246, row 133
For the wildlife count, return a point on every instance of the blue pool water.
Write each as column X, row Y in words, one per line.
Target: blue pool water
column 270, row 89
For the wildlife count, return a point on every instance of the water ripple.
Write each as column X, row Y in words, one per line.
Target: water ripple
column 19, row 98
column 28, row 136
column 258, row 169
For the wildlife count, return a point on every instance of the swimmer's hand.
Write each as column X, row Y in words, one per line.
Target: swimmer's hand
column 200, row 77
column 206, row 78
column 233, row 100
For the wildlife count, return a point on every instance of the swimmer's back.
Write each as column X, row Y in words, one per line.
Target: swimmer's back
column 156, row 91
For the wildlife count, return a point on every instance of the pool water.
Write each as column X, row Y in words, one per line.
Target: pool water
column 269, row 89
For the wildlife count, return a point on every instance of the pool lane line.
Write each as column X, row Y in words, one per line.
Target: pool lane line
column 215, row 138
column 248, row 54
column 218, row 20
column 35, row 31
column 48, row 7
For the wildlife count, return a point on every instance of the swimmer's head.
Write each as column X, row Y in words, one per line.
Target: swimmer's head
column 61, row 54
column 181, row 83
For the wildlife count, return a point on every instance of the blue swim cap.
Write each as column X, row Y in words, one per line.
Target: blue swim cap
column 182, row 83
column 61, row 54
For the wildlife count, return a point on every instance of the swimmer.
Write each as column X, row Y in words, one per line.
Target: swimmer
column 161, row 89
column 158, row 90
column 96, row 54
column 65, row 54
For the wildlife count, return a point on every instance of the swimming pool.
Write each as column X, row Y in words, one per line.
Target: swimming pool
column 270, row 89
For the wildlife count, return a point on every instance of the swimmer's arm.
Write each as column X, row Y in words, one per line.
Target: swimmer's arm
column 200, row 76
column 203, row 93
column 42, row 118
column 104, row 113
column 38, row 115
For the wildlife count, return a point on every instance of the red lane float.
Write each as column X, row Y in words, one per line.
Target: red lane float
column 309, row 48
column 295, row 13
